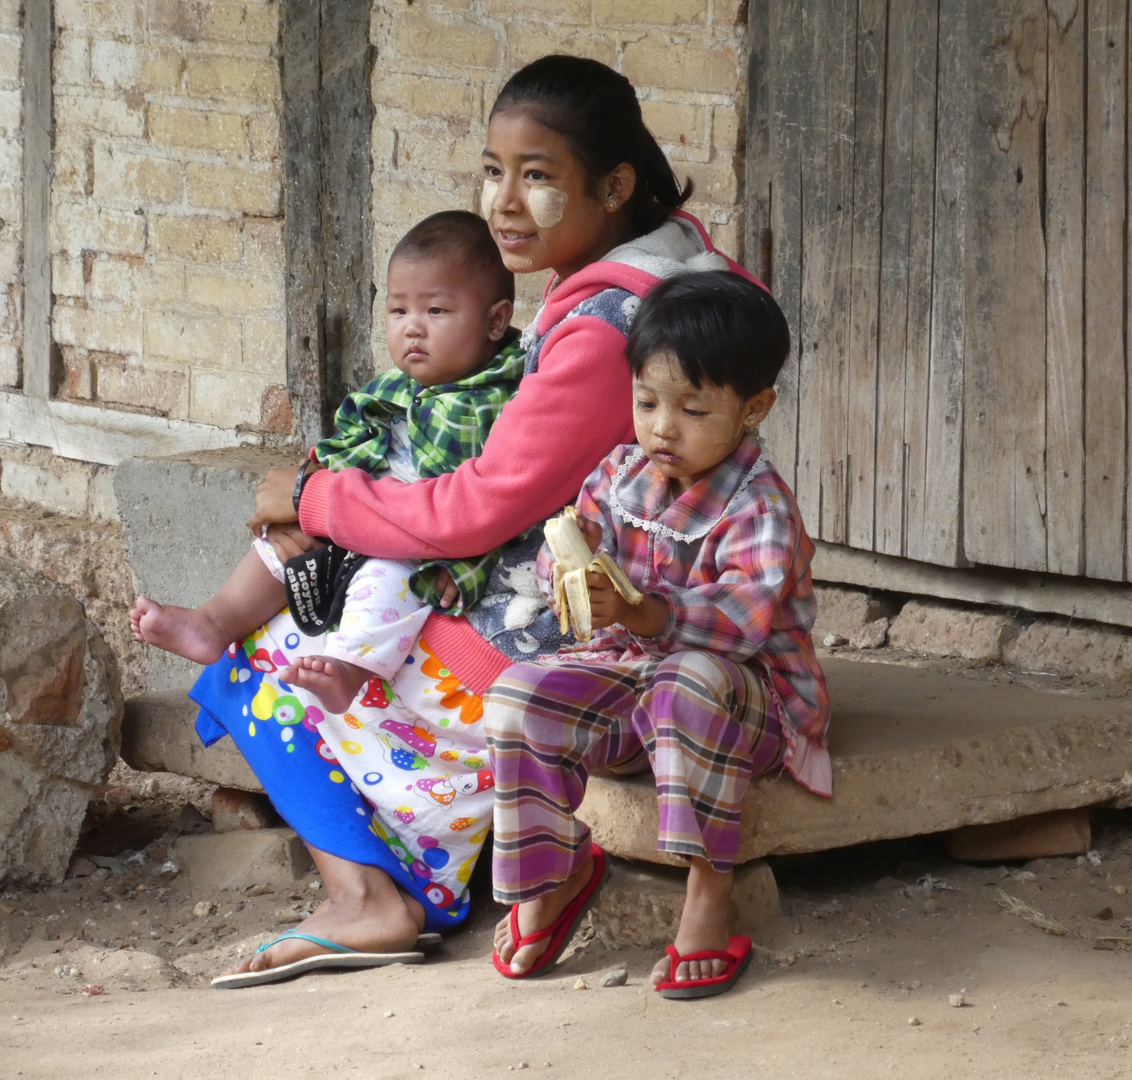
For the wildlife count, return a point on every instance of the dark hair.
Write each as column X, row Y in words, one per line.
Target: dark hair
column 463, row 236
column 596, row 111
column 722, row 328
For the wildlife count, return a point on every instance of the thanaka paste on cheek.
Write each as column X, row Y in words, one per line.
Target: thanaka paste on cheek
column 487, row 199
column 547, row 205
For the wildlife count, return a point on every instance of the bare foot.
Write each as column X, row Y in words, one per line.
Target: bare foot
column 703, row 924
column 334, row 682
column 537, row 915
column 188, row 632
column 364, row 911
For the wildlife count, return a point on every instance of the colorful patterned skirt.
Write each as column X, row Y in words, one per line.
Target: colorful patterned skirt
column 401, row 781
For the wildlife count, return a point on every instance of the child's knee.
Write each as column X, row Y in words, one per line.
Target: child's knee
column 711, row 674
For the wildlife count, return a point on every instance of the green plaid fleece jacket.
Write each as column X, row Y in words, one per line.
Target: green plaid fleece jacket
column 447, row 424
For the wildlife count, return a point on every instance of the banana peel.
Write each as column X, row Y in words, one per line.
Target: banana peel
column 572, row 560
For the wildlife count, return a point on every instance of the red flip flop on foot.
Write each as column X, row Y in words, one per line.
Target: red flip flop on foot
column 736, row 957
column 560, row 931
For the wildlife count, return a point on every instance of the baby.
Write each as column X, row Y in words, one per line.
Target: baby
column 447, row 324
column 710, row 679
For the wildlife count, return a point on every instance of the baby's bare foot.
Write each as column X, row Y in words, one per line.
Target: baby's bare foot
column 334, row 682
column 184, row 631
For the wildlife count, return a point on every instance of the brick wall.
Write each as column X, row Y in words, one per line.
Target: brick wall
column 440, row 64
column 166, row 209
column 11, row 192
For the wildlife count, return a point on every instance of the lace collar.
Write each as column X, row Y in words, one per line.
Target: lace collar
column 640, row 496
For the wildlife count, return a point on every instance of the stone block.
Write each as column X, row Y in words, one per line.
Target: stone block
column 234, row 188
column 648, row 13
column 1091, row 653
column 455, row 45
column 641, row 906
column 845, row 612
column 181, row 549
column 675, row 122
column 654, row 61
column 216, row 133
column 914, row 751
column 59, row 725
column 135, row 180
column 158, row 735
column 1059, row 832
column 232, row 862
column 196, row 238
column 226, row 399
column 96, row 329
column 234, row 810
column 422, row 95
column 205, row 340
column 940, row 629
column 163, row 390
column 76, row 228
column 265, row 346
column 230, row 78
column 65, row 492
column 233, row 292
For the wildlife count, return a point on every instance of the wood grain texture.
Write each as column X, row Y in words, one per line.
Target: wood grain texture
column 938, row 538
column 789, row 94
column 921, row 214
column 864, row 287
column 1065, row 284
column 1105, row 376
column 1004, row 369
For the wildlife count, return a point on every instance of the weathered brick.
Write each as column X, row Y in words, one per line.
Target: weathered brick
column 161, row 70
column 276, row 411
column 70, row 168
column 264, row 136
column 78, row 382
column 158, row 284
column 716, row 181
column 218, row 133
column 225, row 399
column 68, row 14
column 529, row 41
column 708, row 70
column 729, row 15
column 10, row 14
column 648, row 13
column 162, row 390
column 114, row 64
column 435, row 150
column 576, row 12
column 265, row 346
column 118, row 17
column 135, row 180
column 1091, row 653
column 422, row 95
column 205, row 340
column 179, row 20
column 111, row 280
column 947, row 630
column 70, row 62
column 103, row 502
column 263, row 243
column 234, row 188
column 261, row 23
column 418, row 38
column 98, row 330
column 675, row 123
column 67, row 275
column 10, row 60
column 196, row 239
column 233, row 291
column 228, row 77
column 402, row 202
column 62, row 488
column 725, row 128
column 9, row 364
column 79, row 117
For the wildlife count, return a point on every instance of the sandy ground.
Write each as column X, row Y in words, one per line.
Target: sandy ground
column 889, row 960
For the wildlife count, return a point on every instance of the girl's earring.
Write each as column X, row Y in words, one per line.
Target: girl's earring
column 612, row 202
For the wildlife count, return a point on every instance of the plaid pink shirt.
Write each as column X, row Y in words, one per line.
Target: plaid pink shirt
column 732, row 559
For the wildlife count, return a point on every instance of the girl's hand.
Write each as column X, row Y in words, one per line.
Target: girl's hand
column 273, row 498
column 288, row 540
column 591, row 530
column 608, row 606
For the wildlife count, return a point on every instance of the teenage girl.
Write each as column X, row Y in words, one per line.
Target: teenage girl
column 574, row 185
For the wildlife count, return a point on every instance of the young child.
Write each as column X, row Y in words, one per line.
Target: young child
column 447, row 315
column 710, row 680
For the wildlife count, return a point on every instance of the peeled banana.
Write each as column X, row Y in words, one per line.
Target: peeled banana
column 572, row 559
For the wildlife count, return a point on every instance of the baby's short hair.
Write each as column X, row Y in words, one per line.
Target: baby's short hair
column 722, row 328
column 461, row 235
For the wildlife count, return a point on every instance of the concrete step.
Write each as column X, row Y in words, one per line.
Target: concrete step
column 916, row 750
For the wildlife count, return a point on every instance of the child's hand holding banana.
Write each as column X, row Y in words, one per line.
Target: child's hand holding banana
column 591, row 591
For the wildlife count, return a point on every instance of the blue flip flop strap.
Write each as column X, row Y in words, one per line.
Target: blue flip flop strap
column 292, row 934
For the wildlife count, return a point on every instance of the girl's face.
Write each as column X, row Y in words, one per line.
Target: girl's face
column 686, row 432
column 538, row 204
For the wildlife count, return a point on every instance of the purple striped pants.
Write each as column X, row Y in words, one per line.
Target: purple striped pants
column 705, row 725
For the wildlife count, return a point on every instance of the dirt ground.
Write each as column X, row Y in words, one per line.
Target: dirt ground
column 889, row 960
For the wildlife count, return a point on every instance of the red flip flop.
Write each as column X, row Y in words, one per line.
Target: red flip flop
column 560, row 931
column 736, row 957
